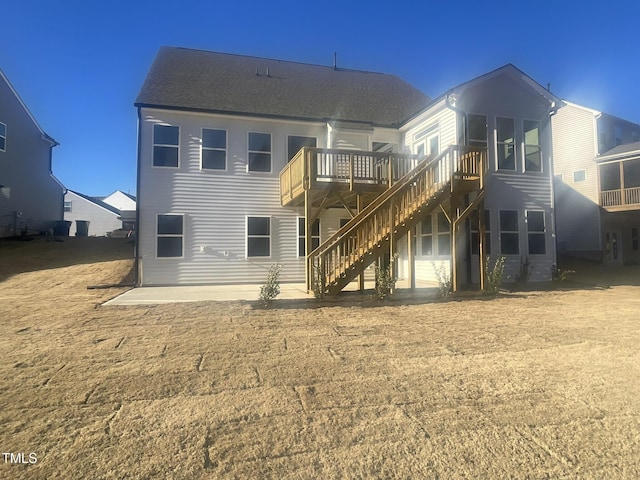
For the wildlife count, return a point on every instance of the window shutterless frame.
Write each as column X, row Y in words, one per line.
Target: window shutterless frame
column 315, row 236
column 509, row 232
column 3, row 137
column 505, row 135
column 296, row 142
column 170, row 235
column 532, row 151
column 259, row 152
column 258, row 236
column 166, row 146
column 213, row 150
column 536, row 232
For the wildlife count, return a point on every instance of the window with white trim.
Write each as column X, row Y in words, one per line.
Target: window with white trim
column 259, row 152
column 475, row 233
column 67, row 206
column 214, row 149
column 296, row 142
column 315, row 235
column 477, row 130
column 426, row 236
column 170, row 235
column 166, row 139
column 3, row 137
column 509, row 233
column 506, row 143
column 444, row 235
column 536, row 233
column 532, row 150
column 579, row 176
column 258, row 236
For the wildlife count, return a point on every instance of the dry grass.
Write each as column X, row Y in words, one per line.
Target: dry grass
column 527, row 385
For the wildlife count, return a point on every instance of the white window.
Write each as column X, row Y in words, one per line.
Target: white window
column 67, row 206
column 426, row 237
column 477, row 130
column 444, row 235
column 506, row 143
column 475, row 234
column 165, row 145
column 258, row 236
column 532, row 151
column 315, row 235
column 536, row 233
column 170, row 236
column 509, row 233
column 579, row 176
column 3, row 137
column 259, row 152
column 214, row 149
column 296, row 142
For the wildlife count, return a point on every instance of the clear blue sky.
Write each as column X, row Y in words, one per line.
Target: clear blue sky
column 78, row 65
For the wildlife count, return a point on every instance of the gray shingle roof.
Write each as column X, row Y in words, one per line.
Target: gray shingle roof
column 219, row 82
column 620, row 149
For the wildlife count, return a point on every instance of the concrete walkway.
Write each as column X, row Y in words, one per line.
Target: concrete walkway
column 203, row 293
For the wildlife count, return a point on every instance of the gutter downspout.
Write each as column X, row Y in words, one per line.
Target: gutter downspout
column 552, row 111
column 137, row 278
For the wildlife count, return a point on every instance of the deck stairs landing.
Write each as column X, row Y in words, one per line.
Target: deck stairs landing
column 433, row 183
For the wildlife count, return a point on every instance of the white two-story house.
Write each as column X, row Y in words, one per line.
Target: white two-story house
column 245, row 162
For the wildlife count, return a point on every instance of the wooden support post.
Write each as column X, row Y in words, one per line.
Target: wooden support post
column 411, row 260
column 454, row 240
column 392, row 241
column 307, row 241
column 482, row 229
column 361, row 276
column 623, row 199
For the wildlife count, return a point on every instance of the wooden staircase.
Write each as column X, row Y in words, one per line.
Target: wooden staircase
column 434, row 182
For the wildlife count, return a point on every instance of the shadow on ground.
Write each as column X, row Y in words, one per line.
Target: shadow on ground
column 44, row 253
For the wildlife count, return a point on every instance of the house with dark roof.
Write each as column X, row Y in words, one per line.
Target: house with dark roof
column 30, row 195
column 597, row 185
column 97, row 216
column 244, row 162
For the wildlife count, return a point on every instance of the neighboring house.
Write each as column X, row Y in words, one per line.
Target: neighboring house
column 596, row 180
column 91, row 216
column 30, row 195
column 126, row 204
column 245, row 162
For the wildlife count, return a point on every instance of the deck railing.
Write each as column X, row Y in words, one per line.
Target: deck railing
column 620, row 197
column 313, row 166
column 335, row 260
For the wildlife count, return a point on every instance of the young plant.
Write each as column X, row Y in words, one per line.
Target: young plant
column 385, row 280
column 443, row 276
column 494, row 275
column 271, row 287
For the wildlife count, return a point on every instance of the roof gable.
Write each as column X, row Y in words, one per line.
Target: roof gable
column 96, row 201
column 235, row 84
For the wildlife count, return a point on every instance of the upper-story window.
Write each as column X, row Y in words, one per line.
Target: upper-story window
column 296, row 142
column 579, row 176
column 166, row 139
column 3, row 137
column 67, row 206
column 532, row 151
column 506, row 143
column 259, row 152
column 477, row 130
column 214, row 149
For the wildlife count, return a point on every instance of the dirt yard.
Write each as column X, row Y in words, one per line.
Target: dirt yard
column 527, row 385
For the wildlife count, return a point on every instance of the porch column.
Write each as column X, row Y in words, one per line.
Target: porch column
column 623, row 199
column 307, row 241
column 411, row 259
column 361, row 276
column 482, row 228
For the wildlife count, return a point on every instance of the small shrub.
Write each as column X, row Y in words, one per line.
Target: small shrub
column 561, row 275
column 524, row 274
column 271, row 287
column 443, row 276
column 494, row 275
column 385, row 280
